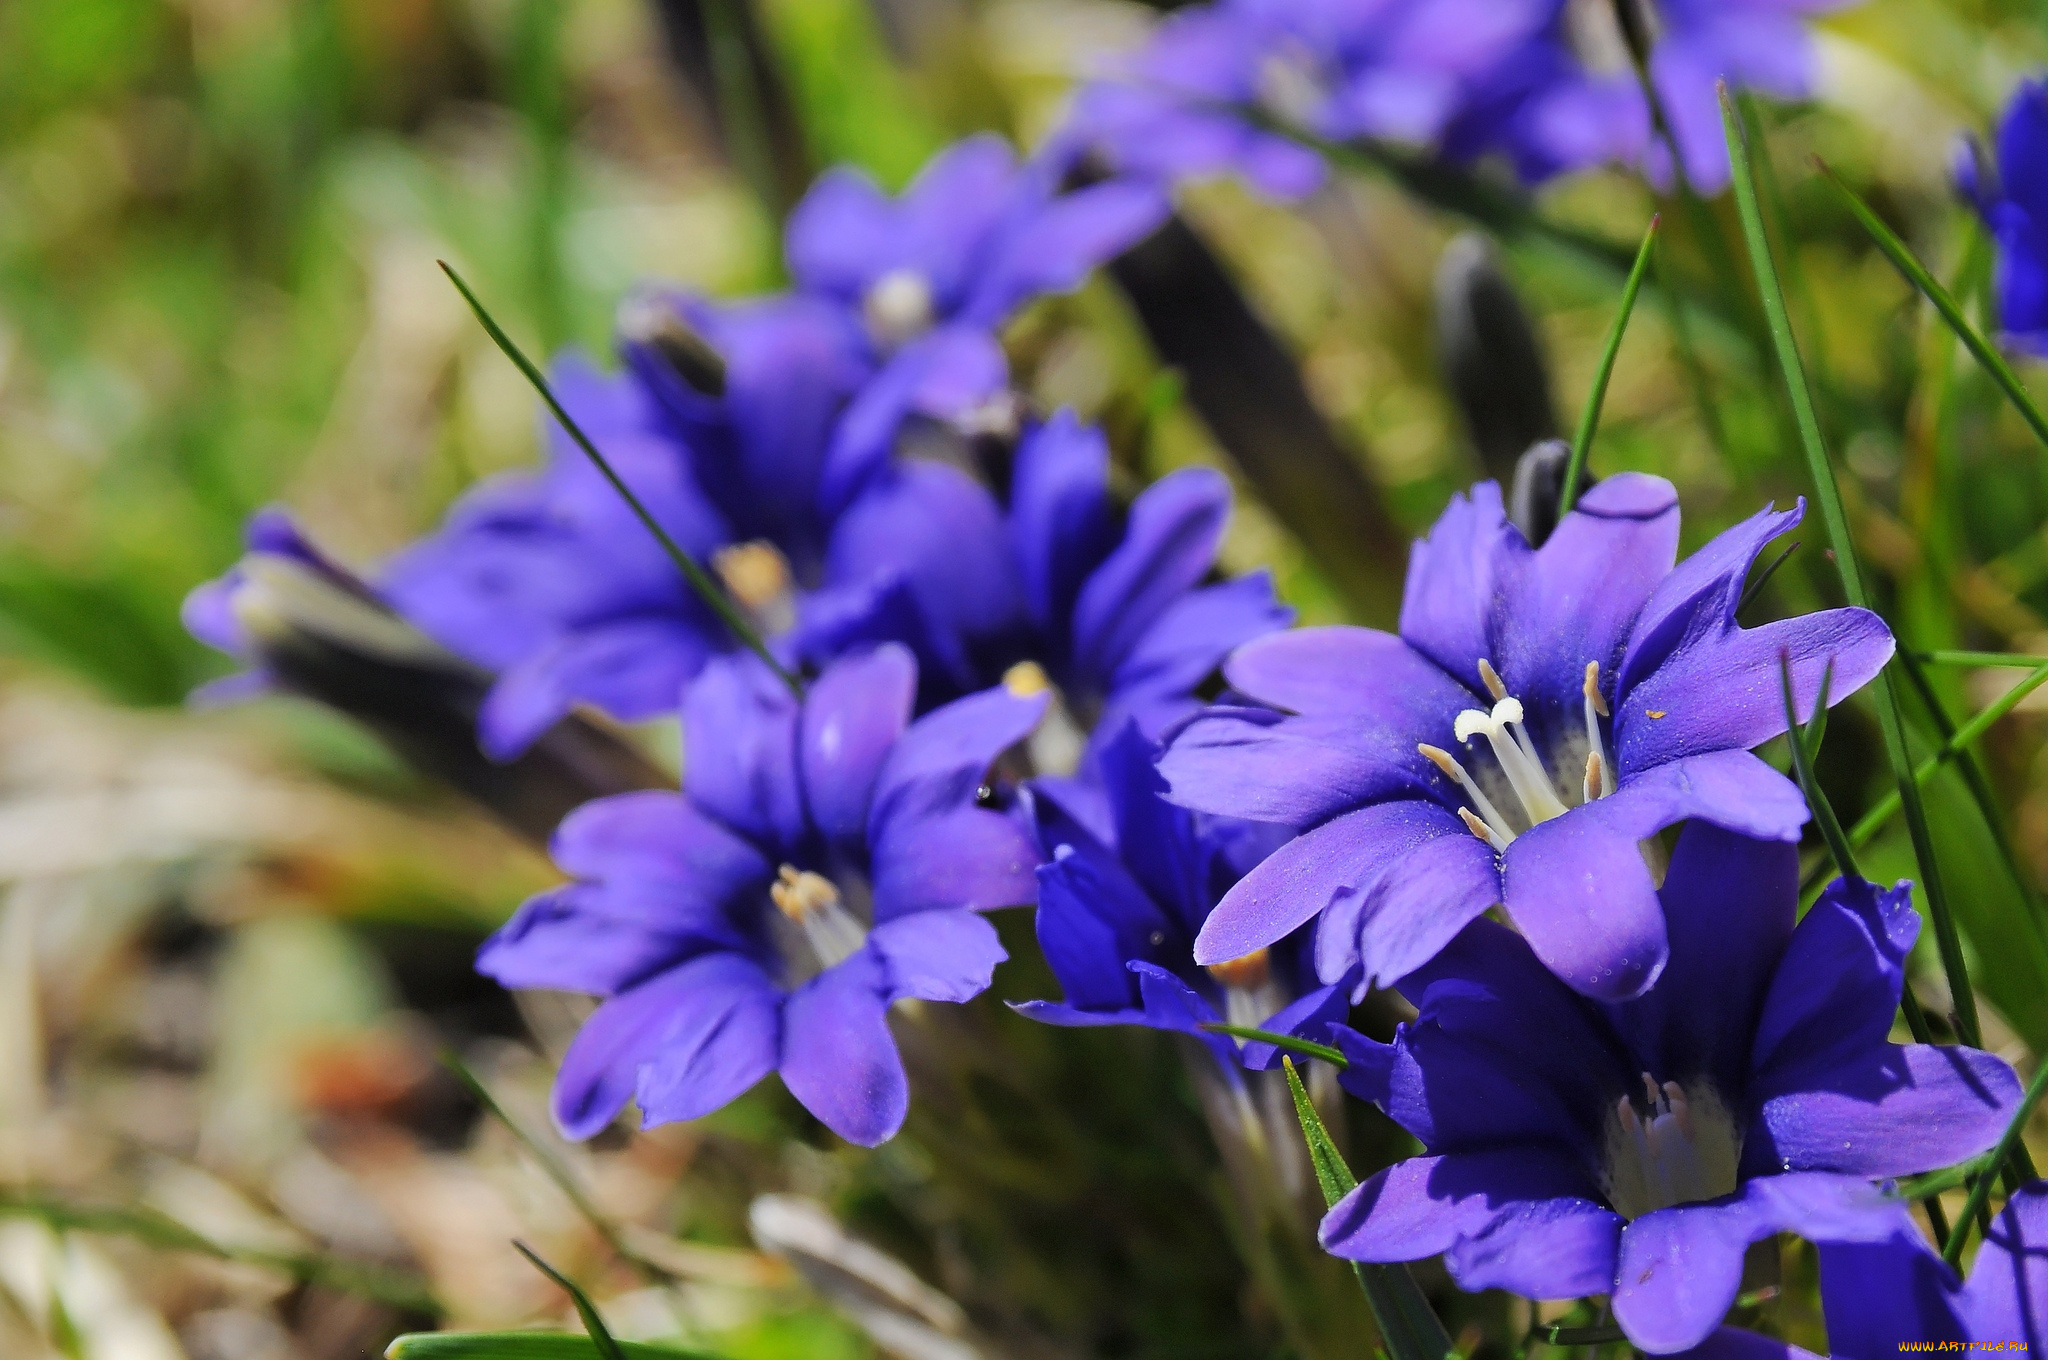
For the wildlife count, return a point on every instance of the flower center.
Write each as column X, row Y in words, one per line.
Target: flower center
column 758, row 576
column 1683, row 1150
column 1251, row 996
column 1528, row 778
column 813, row 902
column 898, row 307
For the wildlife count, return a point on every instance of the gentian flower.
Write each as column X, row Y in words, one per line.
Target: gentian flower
column 275, row 548
column 1879, row 1294
column 2015, row 207
column 931, row 275
column 549, row 580
column 1636, row 1149
column 1596, row 695
column 1119, row 616
column 1128, row 881
column 1569, row 97
column 824, row 860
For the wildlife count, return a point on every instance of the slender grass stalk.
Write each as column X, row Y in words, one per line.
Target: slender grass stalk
column 1308, row 1048
column 2013, row 660
column 1952, row 1250
column 700, row 580
column 1836, row 519
column 555, row 1171
column 600, row 1335
column 1407, row 1323
column 1805, row 745
column 1756, row 585
column 1930, row 287
column 1596, row 396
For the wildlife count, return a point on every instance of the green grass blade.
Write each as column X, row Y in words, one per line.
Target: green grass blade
column 1803, row 745
column 1762, row 578
column 1836, row 519
column 600, row 1335
column 1407, row 1323
column 1308, row 1048
column 1952, row 1251
column 700, row 580
column 2010, row 659
column 1817, row 725
column 522, row 1346
column 1930, row 288
column 1596, row 396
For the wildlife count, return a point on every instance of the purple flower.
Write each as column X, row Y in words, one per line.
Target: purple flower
column 1637, row 1149
column 1599, row 695
column 1881, row 1293
column 549, row 580
column 929, row 276
column 1120, row 616
column 277, row 550
column 1569, row 97
column 2015, row 206
column 1130, row 879
column 824, row 860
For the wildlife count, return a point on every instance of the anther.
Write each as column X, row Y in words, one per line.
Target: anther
column 800, row 894
column 1492, row 680
column 1489, row 814
column 1599, row 781
column 1594, row 770
column 1247, row 972
column 756, row 573
column 1482, row 830
column 1593, row 688
column 1025, row 679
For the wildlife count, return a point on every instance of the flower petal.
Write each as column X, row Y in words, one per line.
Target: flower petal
column 1891, row 1111
column 1271, row 767
column 1876, row 1293
column 839, row 1059
column 1341, row 669
column 726, row 1036
column 632, row 668
column 1415, row 875
column 739, row 752
column 1430, row 1205
column 1680, row 1268
column 1169, row 543
column 852, row 716
column 1447, row 605
column 937, row 956
column 1837, row 987
column 1054, row 247
column 2010, row 1278
column 1061, row 524
column 1093, row 918
column 1578, row 885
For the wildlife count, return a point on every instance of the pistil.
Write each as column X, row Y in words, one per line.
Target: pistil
column 1505, row 728
column 813, row 902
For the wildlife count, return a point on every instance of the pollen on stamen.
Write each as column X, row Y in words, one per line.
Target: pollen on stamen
column 1593, row 775
column 1492, row 680
column 1593, row 689
column 1025, row 679
column 800, row 894
column 1480, row 828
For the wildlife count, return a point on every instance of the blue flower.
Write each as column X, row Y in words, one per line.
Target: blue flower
column 1636, row 1149
column 2015, row 207
column 1129, row 881
column 275, row 548
column 824, row 860
column 929, row 277
column 1597, row 695
column 1878, row 1294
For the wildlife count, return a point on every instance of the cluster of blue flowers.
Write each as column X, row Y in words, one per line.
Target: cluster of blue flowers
column 1533, row 811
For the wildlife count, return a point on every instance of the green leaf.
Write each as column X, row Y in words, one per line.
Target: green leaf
column 700, row 580
column 522, row 1346
column 1930, row 287
column 1308, row 1048
column 600, row 1336
column 1407, row 1323
column 1596, row 396
column 1829, row 495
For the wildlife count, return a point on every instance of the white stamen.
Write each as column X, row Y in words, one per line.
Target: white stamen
column 1502, row 833
column 1684, row 1152
column 813, row 902
column 1524, row 771
column 1596, row 709
column 898, row 307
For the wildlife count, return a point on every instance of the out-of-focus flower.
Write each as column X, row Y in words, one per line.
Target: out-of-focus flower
column 548, row 580
column 1878, row 1294
column 929, row 276
column 1130, row 879
column 2013, row 198
column 1637, row 1149
column 824, row 860
column 1615, row 695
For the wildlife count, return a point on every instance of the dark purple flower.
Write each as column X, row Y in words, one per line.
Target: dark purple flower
column 1129, row 881
column 1121, row 617
column 549, row 580
column 2014, row 202
column 1597, row 695
column 1637, row 1149
column 1879, row 1294
column 824, row 860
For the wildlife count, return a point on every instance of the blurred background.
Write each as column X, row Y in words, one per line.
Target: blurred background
column 234, row 944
